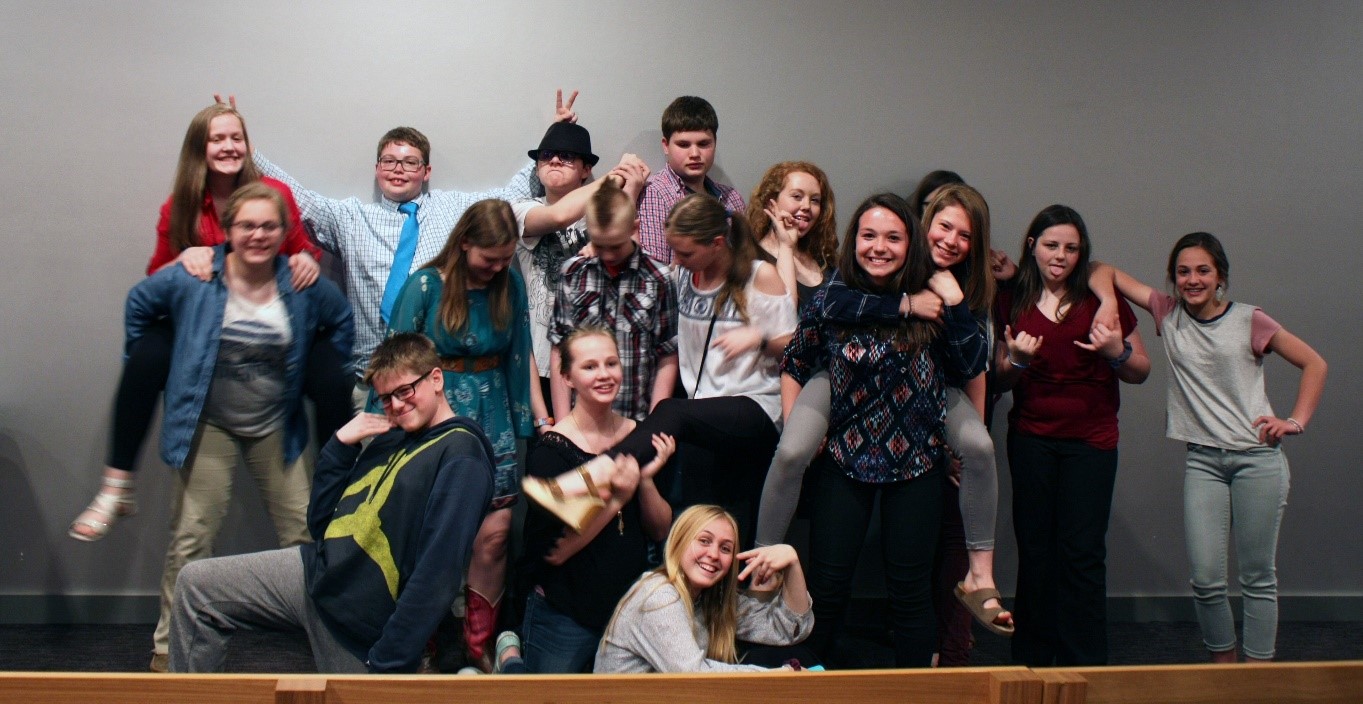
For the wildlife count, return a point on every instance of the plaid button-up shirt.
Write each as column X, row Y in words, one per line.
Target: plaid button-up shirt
column 661, row 192
column 638, row 304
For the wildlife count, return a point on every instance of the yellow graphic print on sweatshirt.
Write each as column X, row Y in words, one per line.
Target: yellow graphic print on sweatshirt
column 364, row 525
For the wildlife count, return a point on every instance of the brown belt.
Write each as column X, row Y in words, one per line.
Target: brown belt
column 463, row 365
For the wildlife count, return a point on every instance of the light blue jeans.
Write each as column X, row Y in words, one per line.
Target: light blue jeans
column 1239, row 494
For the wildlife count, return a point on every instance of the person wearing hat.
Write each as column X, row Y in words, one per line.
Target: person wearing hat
column 553, row 230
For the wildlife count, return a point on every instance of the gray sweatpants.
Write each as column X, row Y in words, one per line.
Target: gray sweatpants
column 806, row 427
column 258, row 591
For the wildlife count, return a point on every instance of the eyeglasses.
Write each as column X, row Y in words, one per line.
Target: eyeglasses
column 548, row 155
column 402, row 393
column 246, row 228
column 409, row 164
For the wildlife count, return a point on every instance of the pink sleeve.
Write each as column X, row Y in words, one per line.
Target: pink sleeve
column 1160, row 305
column 1261, row 330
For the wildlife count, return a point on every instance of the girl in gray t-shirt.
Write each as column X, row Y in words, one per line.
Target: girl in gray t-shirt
column 1236, row 480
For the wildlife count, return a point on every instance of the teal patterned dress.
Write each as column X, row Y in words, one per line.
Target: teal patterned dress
column 497, row 399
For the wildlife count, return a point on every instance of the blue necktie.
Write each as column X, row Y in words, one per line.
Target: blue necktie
column 402, row 260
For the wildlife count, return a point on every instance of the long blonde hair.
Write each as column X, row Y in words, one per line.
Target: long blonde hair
column 718, row 605
column 702, row 218
column 487, row 223
column 191, row 176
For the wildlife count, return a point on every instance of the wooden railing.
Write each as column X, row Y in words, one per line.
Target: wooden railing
column 1179, row 684
column 1208, row 684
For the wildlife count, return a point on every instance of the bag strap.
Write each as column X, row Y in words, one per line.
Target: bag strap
column 705, row 351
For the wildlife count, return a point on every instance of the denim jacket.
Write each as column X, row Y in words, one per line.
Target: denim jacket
column 196, row 310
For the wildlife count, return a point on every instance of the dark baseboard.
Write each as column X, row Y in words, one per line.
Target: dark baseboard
column 1169, row 609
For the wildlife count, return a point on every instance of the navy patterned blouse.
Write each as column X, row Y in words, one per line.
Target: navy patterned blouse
column 889, row 402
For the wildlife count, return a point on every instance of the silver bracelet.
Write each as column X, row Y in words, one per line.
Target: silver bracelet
column 1011, row 361
column 1295, row 422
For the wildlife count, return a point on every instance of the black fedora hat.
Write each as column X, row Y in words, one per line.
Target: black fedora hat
column 567, row 137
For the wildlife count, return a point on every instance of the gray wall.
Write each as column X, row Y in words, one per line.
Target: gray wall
column 1152, row 119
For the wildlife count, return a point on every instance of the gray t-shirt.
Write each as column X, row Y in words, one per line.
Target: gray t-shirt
column 1217, row 386
column 248, row 389
column 652, row 632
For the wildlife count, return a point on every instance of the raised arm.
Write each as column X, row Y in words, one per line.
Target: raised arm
column 326, row 217
column 783, row 230
column 1314, row 369
column 1107, row 280
column 520, row 187
column 544, row 219
column 334, row 462
column 773, row 566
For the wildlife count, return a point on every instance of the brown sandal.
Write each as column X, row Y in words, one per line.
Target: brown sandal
column 577, row 512
column 974, row 603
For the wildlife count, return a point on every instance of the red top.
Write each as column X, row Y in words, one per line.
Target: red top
column 211, row 234
column 1067, row 392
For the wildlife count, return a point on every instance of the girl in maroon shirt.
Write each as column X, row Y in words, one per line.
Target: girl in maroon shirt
column 1063, row 368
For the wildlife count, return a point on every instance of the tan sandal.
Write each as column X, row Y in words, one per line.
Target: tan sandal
column 974, row 603
column 108, row 506
column 578, row 511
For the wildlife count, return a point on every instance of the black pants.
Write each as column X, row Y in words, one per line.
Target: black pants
column 955, row 639
column 734, row 430
column 325, row 380
column 1062, row 498
column 910, row 515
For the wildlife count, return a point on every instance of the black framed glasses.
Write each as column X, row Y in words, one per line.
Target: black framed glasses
column 409, row 164
column 402, row 393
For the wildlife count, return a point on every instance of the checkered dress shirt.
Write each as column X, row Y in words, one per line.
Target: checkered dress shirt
column 661, row 192
column 638, row 304
column 365, row 236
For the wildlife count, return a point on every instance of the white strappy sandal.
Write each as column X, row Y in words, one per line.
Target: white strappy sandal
column 110, row 507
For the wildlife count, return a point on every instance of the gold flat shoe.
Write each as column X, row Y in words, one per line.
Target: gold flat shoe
column 576, row 512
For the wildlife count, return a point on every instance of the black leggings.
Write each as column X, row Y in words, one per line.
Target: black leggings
column 325, row 381
column 910, row 516
column 734, row 430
